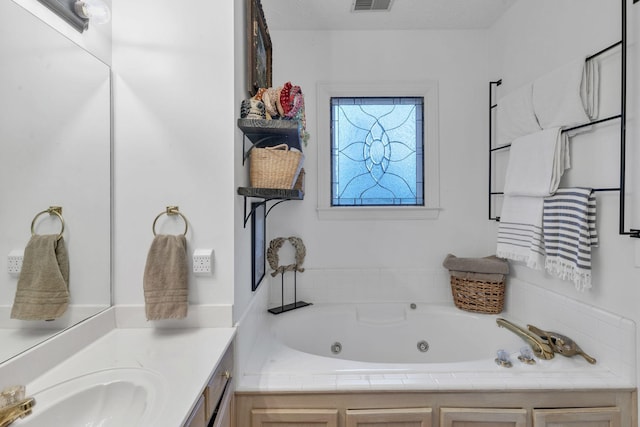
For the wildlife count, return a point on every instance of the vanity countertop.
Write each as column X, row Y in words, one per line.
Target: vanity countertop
column 184, row 358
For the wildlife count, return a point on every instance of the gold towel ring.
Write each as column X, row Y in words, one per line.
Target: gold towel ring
column 171, row 210
column 53, row 210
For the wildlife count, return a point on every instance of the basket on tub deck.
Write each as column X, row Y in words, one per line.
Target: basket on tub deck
column 274, row 167
column 478, row 284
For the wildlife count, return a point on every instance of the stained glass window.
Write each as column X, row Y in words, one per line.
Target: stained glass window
column 377, row 151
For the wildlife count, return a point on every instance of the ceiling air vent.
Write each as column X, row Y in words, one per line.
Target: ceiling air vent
column 371, row 5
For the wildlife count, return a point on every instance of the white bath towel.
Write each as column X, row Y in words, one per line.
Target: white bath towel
column 520, row 231
column 569, row 227
column 537, row 163
column 515, row 116
column 567, row 96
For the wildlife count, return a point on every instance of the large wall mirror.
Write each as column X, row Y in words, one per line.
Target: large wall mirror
column 55, row 150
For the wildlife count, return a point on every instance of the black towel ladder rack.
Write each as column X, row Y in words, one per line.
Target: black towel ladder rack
column 632, row 232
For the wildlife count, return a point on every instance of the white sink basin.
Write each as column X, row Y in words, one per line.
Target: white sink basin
column 119, row 397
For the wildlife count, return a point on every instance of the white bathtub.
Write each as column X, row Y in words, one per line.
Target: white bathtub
column 393, row 333
column 381, row 341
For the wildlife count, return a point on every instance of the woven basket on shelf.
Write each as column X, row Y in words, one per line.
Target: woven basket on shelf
column 478, row 296
column 274, row 167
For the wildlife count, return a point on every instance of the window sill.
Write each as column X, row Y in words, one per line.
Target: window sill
column 377, row 213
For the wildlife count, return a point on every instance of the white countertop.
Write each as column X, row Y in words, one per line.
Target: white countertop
column 184, row 358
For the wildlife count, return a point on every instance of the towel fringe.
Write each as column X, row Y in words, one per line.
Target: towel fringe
column 530, row 261
column 568, row 271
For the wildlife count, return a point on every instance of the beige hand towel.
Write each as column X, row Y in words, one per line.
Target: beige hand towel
column 43, row 286
column 166, row 278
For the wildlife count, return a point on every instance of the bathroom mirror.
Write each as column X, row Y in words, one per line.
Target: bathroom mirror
column 55, row 149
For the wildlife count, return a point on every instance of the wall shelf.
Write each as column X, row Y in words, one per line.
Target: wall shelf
column 268, row 133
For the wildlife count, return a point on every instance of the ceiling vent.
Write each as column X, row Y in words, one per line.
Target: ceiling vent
column 371, row 5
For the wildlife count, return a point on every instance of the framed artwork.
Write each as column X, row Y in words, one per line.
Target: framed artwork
column 258, row 237
column 258, row 48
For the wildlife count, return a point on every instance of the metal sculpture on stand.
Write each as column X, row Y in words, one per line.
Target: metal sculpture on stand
column 273, row 259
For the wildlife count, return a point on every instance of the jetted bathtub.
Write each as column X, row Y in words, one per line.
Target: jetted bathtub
column 393, row 338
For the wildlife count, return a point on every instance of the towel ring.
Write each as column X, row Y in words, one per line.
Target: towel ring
column 53, row 210
column 171, row 210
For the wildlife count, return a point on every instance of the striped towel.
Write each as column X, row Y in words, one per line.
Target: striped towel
column 569, row 228
column 520, row 231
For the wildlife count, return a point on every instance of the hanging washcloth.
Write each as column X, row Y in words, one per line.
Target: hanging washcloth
column 569, row 227
column 166, row 278
column 43, row 287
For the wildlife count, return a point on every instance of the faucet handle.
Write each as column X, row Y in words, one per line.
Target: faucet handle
column 12, row 395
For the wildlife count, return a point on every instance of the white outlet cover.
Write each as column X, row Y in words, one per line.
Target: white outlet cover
column 202, row 261
column 14, row 261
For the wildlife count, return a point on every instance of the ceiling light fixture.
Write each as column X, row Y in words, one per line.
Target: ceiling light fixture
column 78, row 13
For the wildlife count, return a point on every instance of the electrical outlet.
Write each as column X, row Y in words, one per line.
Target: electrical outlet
column 202, row 261
column 14, row 262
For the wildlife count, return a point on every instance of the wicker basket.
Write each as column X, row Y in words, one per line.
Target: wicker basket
column 478, row 296
column 274, row 167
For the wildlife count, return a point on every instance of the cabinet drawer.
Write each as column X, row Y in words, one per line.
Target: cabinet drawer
column 218, row 381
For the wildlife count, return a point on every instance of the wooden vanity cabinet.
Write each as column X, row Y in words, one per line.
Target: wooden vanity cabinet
column 214, row 407
column 533, row 408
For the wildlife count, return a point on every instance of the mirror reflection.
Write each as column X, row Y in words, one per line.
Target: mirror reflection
column 55, row 150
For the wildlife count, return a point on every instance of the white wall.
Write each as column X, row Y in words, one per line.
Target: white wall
column 242, row 289
column 344, row 255
column 96, row 40
column 174, row 138
column 535, row 37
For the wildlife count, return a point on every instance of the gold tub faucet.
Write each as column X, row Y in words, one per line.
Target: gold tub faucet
column 540, row 347
column 14, row 405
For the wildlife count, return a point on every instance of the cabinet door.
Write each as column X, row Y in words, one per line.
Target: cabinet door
column 294, row 418
column 405, row 417
column 198, row 415
column 225, row 412
column 482, row 417
column 577, row 417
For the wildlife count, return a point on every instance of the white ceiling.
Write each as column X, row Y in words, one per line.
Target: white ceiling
column 404, row 15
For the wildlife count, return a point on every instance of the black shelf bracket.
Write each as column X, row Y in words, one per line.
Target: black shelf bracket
column 274, row 195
